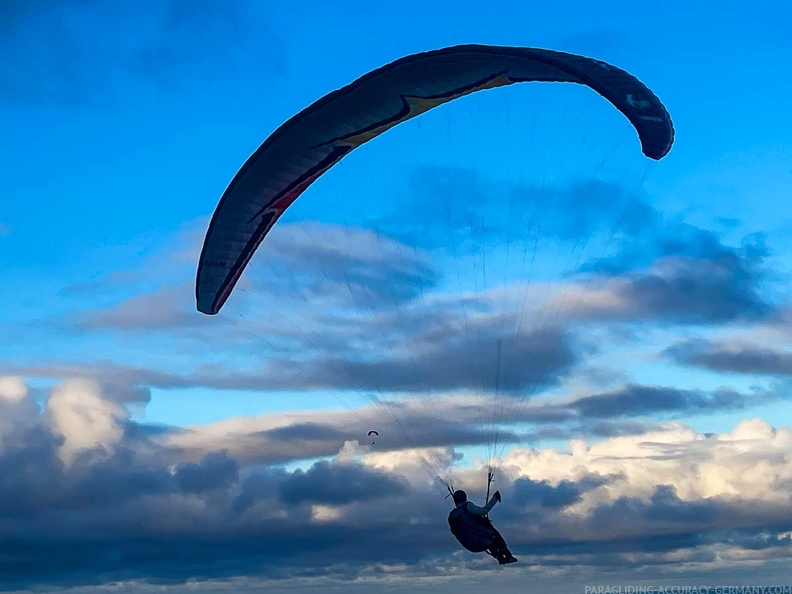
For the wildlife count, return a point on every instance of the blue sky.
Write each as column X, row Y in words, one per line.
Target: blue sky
column 405, row 265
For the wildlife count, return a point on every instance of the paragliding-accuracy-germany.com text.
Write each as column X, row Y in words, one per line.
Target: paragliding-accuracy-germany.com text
column 688, row 589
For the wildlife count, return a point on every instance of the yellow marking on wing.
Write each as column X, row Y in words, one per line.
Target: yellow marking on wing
column 419, row 105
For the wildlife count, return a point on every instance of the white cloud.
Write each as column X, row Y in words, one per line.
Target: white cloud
column 85, row 418
column 12, row 389
column 752, row 463
column 17, row 407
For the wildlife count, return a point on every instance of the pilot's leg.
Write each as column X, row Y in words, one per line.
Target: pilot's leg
column 503, row 554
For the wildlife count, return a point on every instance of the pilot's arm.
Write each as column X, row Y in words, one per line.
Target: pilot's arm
column 481, row 511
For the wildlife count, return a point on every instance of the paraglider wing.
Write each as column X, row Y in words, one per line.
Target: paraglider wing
column 314, row 140
column 370, row 433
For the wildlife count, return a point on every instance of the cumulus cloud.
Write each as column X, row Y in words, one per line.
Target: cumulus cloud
column 84, row 418
column 133, row 499
column 150, row 511
column 670, row 480
column 12, row 389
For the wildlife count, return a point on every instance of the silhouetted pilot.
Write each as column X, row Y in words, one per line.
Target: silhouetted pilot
column 473, row 529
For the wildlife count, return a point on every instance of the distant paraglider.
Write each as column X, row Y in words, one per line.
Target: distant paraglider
column 370, row 433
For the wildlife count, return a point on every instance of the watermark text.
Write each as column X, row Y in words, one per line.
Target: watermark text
column 627, row 589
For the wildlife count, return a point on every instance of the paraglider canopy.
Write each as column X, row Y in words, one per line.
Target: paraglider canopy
column 311, row 142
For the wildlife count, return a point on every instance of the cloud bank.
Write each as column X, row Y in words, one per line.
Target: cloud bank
column 90, row 496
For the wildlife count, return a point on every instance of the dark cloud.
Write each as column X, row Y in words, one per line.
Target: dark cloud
column 577, row 427
column 548, row 413
column 639, row 400
column 215, row 471
column 352, row 267
column 527, row 492
column 664, row 506
column 36, row 481
column 125, row 393
column 694, row 292
column 339, row 484
column 661, row 238
column 529, row 361
column 413, row 350
column 682, row 273
column 303, row 431
column 732, row 358
column 616, row 553
column 28, row 465
column 693, row 279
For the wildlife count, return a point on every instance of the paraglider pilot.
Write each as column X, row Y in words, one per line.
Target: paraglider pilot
column 474, row 530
